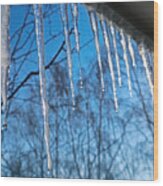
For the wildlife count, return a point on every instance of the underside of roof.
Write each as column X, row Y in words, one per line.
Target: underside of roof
column 136, row 18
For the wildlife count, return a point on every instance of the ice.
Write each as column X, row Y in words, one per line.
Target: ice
column 77, row 40
column 123, row 42
column 96, row 37
column 144, row 59
column 131, row 50
column 40, row 47
column 107, row 45
column 5, row 57
column 64, row 17
column 116, row 53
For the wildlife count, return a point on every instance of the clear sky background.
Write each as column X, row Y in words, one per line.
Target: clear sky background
column 86, row 35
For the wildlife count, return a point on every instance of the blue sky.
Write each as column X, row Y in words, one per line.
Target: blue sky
column 53, row 26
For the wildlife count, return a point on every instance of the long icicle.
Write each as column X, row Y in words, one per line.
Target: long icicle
column 5, row 57
column 64, row 17
column 144, row 59
column 116, row 53
column 107, row 45
column 131, row 50
column 123, row 42
column 77, row 40
column 95, row 32
column 150, row 66
column 40, row 47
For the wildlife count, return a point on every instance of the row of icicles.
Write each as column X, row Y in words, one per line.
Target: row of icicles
column 104, row 26
column 40, row 47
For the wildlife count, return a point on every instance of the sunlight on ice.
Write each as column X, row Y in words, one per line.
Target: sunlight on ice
column 123, row 42
column 40, row 47
column 106, row 39
column 5, row 57
column 143, row 56
column 95, row 32
column 131, row 50
column 64, row 17
column 75, row 22
column 116, row 53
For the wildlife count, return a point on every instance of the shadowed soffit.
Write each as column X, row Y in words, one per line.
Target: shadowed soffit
column 136, row 18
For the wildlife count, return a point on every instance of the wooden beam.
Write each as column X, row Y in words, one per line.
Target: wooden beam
column 155, row 90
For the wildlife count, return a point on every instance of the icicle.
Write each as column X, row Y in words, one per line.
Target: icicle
column 64, row 17
column 107, row 45
column 131, row 50
column 75, row 21
column 123, row 42
column 150, row 64
column 152, row 56
column 143, row 55
column 116, row 53
column 5, row 57
column 95, row 32
column 40, row 46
